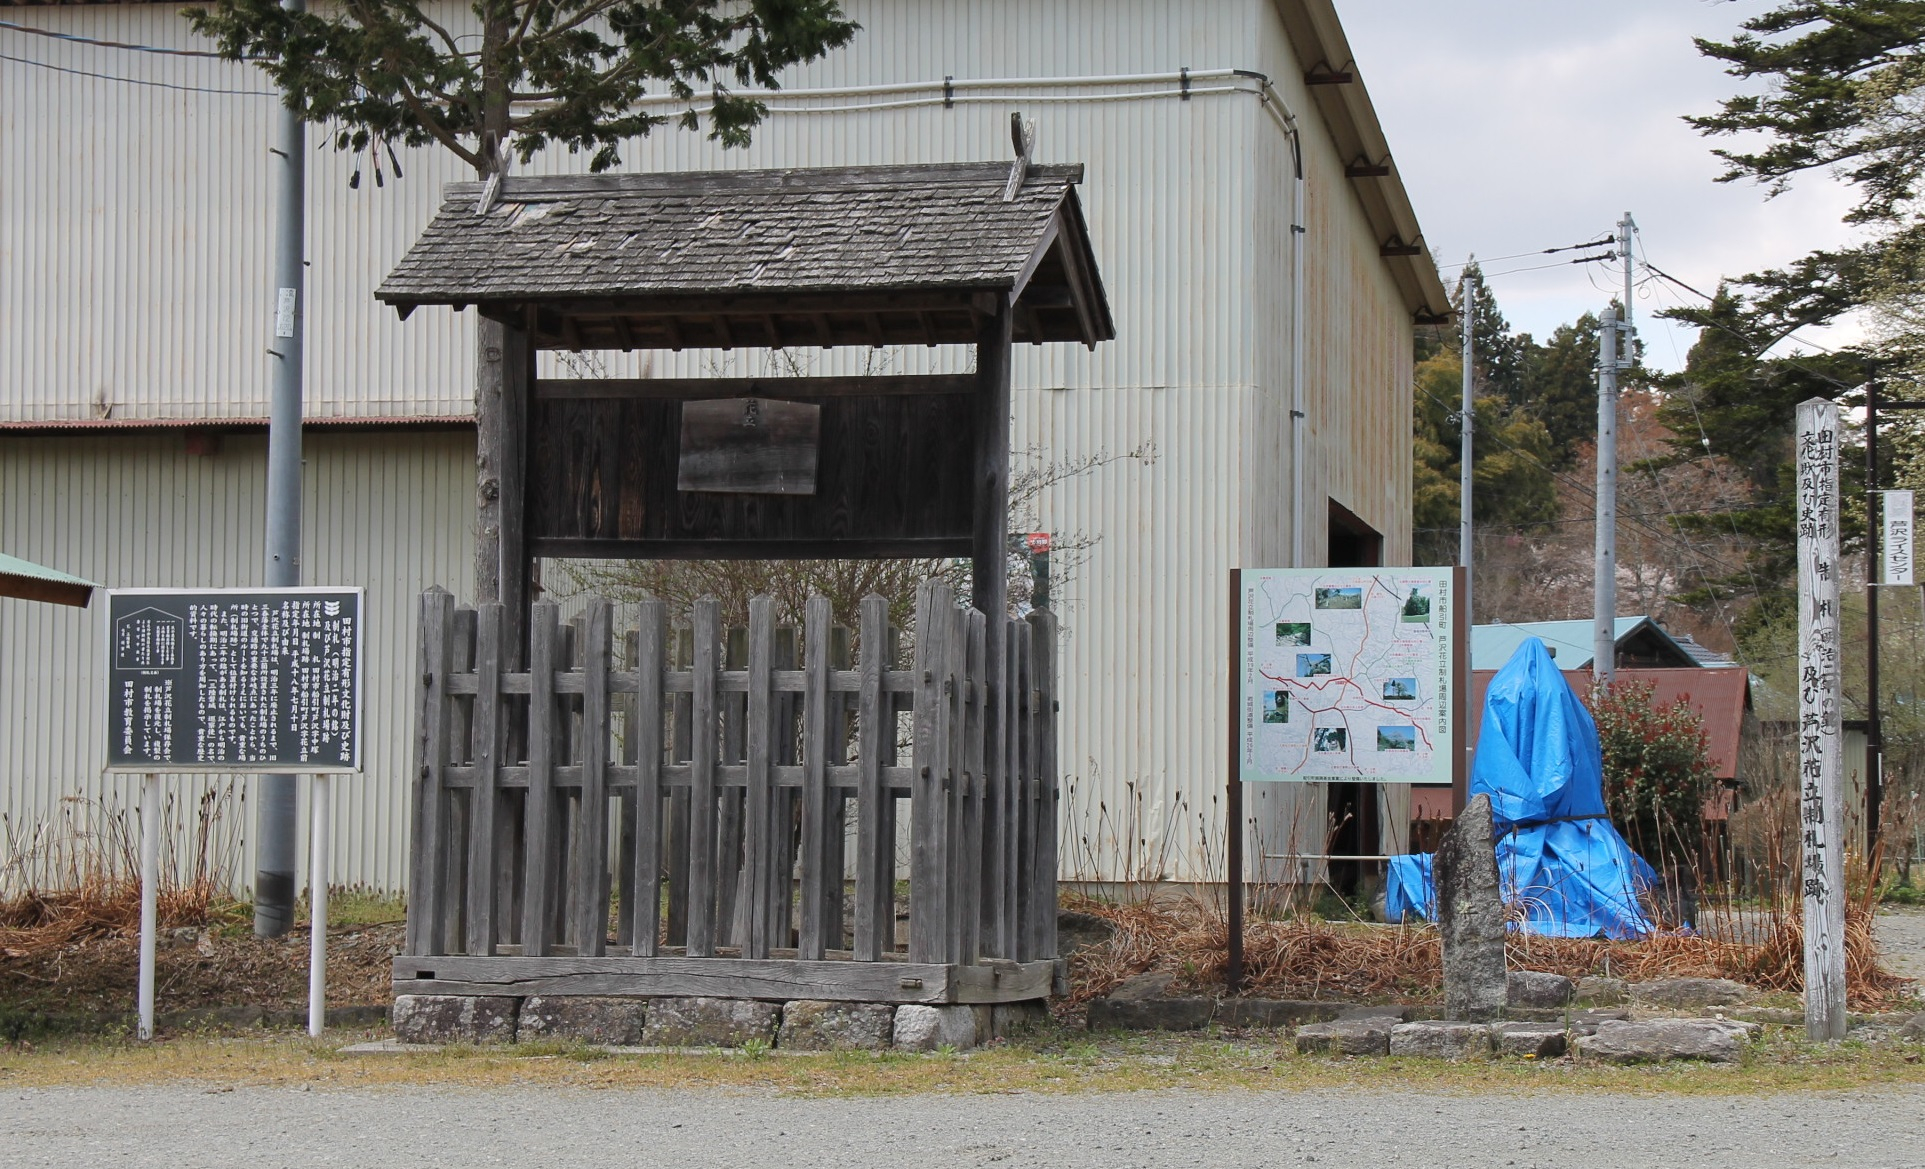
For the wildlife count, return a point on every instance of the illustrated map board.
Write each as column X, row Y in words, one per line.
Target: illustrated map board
column 234, row 680
column 1347, row 674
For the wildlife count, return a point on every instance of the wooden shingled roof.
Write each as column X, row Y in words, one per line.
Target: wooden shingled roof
column 721, row 259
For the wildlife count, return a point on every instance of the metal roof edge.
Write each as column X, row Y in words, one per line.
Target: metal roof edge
column 1317, row 37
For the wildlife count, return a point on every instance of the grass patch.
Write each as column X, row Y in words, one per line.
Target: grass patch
column 1060, row 1062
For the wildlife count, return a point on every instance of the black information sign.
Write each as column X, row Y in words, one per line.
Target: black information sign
column 234, row 680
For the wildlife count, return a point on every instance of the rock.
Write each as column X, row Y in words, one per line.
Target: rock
column 1661, row 1039
column 1691, row 992
column 454, row 1018
column 1602, row 992
column 1915, row 1029
column 927, row 1028
column 1529, row 1040
column 1535, row 988
column 708, row 1022
column 1137, row 987
column 814, row 1025
column 616, row 1021
column 1395, row 1012
column 1273, row 1014
column 1441, row 1039
column 1191, row 1014
column 1009, row 1019
column 1078, row 931
column 1346, row 1037
column 1587, row 1022
column 1470, row 916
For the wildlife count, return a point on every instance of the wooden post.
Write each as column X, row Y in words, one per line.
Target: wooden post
column 646, row 735
column 538, row 875
column 431, row 757
column 759, row 850
column 1042, row 657
column 590, row 876
column 702, row 748
column 486, row 737
column 1821, row 789
column 966, row 857
column 505, row 370
column 989, row 570
column 810, row 942
column 928, row 820
column 875, row 911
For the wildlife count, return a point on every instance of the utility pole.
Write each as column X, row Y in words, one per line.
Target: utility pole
column 275, row 813
column 1467, row 426
column 1612, row 360
column 1874, row 725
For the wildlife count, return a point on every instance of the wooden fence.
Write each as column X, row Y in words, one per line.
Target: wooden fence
column 678, row 821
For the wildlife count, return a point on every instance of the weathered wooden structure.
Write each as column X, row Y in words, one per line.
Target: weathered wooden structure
column 735, row 774
column 707, row 778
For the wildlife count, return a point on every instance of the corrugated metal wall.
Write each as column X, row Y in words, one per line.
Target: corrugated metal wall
column 389, row 512
column 1188, row 203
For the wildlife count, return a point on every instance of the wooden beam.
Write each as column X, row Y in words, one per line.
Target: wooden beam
column 989, row 544
column 516, row 568
column 939, row 548
column 1365, row 169
column 776, row 979
column 696, row 389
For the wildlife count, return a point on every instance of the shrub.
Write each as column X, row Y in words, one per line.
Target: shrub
column 1657, row 769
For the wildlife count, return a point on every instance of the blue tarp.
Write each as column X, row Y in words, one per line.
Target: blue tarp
column 1560, row 859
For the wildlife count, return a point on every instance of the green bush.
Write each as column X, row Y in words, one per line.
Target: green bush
column 1657, row 769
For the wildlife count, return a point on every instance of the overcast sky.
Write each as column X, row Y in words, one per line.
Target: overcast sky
column 1525, row 124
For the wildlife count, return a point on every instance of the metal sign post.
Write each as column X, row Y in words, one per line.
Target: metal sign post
column 233, row 681
column 1821, row 794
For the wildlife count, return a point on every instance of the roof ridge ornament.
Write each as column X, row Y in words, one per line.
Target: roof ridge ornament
column 1022, row 134
column 498, row 174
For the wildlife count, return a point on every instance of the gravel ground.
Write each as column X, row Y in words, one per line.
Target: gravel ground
column 1901, row 940
column 583, row 1129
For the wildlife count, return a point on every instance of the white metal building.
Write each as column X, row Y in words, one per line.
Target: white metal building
column 136, row 304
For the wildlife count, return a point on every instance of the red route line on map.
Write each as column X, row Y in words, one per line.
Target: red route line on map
column 1361, row 696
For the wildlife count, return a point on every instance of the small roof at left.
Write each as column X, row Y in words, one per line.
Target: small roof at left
column 34, row 582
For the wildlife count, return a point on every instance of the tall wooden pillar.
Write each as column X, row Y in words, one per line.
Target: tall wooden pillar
column 504, row 370
column 989, row 545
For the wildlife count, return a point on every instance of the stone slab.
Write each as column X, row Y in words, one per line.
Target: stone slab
column 1602, row 992
column 1537, row 989
column 1691, row 992
column 816, row 1025
column 708, row 1022
column 614, row 1020
column 1529, row 1040
column 1275, row 1014
column 1011, row 1019
column 1659, row 1040
column 1346, row 1037
column 1441, row 1039
column 455, row 1018
column 1914, row 1028
column 931, row 1028
column 1191, row 1014
column 1151, row 984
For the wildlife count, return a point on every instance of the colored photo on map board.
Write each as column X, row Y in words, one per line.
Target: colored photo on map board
column 1312, row 665
column 1396, row 738
column 1340, row 598
column 1400, row 689
column 1276, row 706
column 1293, row 633
column 1417, row 606
column 1331, row 739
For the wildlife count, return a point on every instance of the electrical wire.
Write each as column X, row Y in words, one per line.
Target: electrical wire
column 137, row 80
column 1524, row 255
column 77, row 39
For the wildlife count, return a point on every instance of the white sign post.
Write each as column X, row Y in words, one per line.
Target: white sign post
column 1821, row 789
column 1900, row 531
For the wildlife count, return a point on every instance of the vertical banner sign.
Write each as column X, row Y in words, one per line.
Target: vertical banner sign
column 1821, row 796
column 1898, row 537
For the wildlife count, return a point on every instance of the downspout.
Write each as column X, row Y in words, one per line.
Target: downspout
column 1288, row 121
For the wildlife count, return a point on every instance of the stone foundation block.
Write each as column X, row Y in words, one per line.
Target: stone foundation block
column 1602, row 992
column 1914, row 1028
column 1535, row 988
column 1692, row 992
column 1150, row 1014
column 1274, row 1014
column 1662, row 1039
column 613, row 1020
column 1529, row 1040
column 815, row 1025
column 926, row 1028
column 708, row 1022
column 1346, row 1037
column 1441, row 1039
column 454, row 1018
column 1011, row 1019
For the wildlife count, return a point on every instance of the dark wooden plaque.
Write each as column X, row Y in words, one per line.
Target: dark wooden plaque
column 757, row 446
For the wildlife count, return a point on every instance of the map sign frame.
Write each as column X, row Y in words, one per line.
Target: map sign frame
column 161, row 694
column 1349, row 675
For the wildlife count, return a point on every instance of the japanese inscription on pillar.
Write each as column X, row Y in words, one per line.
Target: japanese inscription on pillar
column 1820, row 745
column 237, row 680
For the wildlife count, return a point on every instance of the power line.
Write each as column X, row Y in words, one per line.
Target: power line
column 137, row 80
column 100, row 44
column 1596, row 243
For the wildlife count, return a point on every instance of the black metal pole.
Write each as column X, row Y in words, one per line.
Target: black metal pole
column 1874, row 729
column 1233, row 796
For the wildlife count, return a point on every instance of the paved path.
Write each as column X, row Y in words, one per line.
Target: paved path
column 425, row 1128
column 1901, row 940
